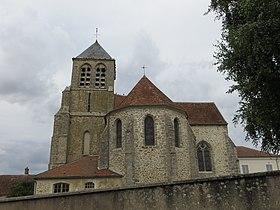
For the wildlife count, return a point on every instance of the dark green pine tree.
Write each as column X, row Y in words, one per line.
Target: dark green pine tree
column 249, row 55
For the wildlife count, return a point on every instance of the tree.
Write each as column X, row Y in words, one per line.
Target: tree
column 249, row 55
column 22, row 189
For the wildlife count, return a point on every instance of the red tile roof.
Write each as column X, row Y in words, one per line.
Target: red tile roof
column 86, row 166
column 118, row 99
column 203, row 113
column 146, row 93
column 9, row 181
column 245, row 152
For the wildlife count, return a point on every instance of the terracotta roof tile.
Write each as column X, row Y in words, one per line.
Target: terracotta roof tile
column 9, row 181
column 203, row 113
column 146, row 93
column 118, row 100
column 87, row 166
column 245, row 152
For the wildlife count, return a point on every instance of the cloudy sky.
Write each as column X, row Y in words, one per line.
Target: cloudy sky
column 38, row 38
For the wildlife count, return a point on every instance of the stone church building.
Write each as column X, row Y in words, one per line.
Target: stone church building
column 104, row 140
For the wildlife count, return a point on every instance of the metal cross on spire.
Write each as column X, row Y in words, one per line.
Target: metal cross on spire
column 144, row 69
column 96, row 33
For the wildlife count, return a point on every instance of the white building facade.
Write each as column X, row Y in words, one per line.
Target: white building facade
column 253, row 161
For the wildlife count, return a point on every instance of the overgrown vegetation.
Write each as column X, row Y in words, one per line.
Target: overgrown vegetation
column 249, row 55
column 22, row 189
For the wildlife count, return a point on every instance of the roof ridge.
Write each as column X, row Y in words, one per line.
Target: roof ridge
column 195, row 102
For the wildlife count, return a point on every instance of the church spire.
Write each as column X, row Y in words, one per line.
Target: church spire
column 95, row 51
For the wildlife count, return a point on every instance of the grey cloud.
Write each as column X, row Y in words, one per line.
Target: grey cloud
column 29, row 56
column 16, row 155
column 144, row 52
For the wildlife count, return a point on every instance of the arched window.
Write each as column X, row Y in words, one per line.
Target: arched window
column 119, row 133
column 85, row 75
column 60, row 187
column 176, row 133
column 149, row 131
column 100, row 76
column 204, row 156
column 89, row 185
column 86, row 143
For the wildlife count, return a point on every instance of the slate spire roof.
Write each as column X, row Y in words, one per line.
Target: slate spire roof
column 95, row 51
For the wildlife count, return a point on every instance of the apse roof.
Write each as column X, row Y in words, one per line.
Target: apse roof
column 146, row 93
column 95, row 51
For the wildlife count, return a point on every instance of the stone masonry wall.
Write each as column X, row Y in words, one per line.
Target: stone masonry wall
column 243, row 192
column 150, row 164
column 82, row 110
column 224, row 160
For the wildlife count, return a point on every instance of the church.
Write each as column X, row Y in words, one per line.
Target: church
column 102, row 140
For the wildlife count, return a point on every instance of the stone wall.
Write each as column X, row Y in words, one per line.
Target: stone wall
column 248, row 192
column 162, row 162
column 224, row 159
column 82, row 110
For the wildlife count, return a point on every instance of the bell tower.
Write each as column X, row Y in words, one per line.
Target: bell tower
column 93, row 78
column 79, row 123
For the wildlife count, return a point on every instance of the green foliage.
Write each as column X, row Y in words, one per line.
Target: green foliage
column 22, row 189
column 249, row 55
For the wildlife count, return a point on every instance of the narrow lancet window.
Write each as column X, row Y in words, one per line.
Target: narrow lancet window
column 204, row 156
column 88, row 105
column 86, row 143
column 149, row 131
column 176, row 133
column 119, row 133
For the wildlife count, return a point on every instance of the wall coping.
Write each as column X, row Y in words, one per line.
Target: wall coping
column 162, row 184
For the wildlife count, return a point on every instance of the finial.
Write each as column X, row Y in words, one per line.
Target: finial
column 96, row 33
column 144, row 69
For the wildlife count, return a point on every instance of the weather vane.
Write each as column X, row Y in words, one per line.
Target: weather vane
column 144, row 69
column 96, row 33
